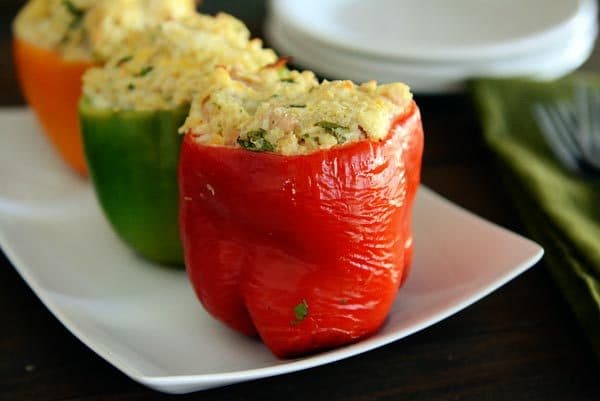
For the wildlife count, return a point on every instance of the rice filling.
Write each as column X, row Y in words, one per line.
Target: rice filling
column 290, row 112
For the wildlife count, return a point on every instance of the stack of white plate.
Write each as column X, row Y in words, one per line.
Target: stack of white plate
column 433, row 45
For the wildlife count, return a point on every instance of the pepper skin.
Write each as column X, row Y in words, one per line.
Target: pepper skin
column 308, row 251
column 132, row 158
column 52, row 87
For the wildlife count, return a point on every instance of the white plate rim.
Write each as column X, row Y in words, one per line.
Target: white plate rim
column 425, row 77
column 585, row 15
column 583, row 33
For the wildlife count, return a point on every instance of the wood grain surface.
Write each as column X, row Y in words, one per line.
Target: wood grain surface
column 520, row 343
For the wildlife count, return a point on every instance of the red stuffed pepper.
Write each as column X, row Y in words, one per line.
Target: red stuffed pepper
column 295, row 205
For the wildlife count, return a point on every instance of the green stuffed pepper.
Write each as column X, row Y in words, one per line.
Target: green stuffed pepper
column 134, row 171
column 130, row 113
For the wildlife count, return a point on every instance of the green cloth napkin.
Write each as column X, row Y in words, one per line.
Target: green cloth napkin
column 559, row 209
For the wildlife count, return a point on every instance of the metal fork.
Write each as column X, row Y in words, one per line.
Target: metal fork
column 572, row 130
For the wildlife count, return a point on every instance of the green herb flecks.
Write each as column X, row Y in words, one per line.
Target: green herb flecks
column 300, row 312
column 124, row 60
column 144, row 71
column 283, row 71
column 75, row 12
column 255, row 141
column 334, row 129
column 288, row 80
column 131, row 87
column 329, row 126
column 298, row 106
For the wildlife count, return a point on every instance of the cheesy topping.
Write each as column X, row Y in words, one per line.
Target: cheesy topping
column 90, row 29
column 164, row 67
column 289, row 112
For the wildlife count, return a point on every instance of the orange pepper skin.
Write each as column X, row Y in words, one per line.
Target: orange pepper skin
column 52, row 87
column 306, row 251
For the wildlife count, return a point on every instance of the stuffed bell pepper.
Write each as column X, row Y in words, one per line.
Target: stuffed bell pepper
column 295, row 205
column 131, row 111
column 56, row 41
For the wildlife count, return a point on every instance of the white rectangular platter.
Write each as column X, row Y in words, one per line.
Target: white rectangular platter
column 145, row 320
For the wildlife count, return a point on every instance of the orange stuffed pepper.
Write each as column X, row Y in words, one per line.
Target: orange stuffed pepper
column 52, row 87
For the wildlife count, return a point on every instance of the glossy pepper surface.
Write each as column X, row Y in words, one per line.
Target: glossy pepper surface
column 132, row 158
column 307, row 251
column 52, row 87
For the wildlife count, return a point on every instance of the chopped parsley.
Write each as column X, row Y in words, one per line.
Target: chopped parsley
column 144, row 71
column 124, row 60
column 339, row 137
column 131, row 86
column 75, row 12
column 288, row 80
column 255, row 141
column 283, row 71
column 299, row 106
column 329, row 126
column 300, row 312
column 334, row 129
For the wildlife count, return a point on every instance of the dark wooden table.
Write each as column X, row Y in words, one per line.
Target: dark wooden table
column 520, row 343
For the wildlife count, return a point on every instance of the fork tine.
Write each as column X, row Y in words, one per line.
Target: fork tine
column 553, row 138
column 589, row 132
column 595, row 141
column 583, row 102
column 567, row 115
column 563, row 132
